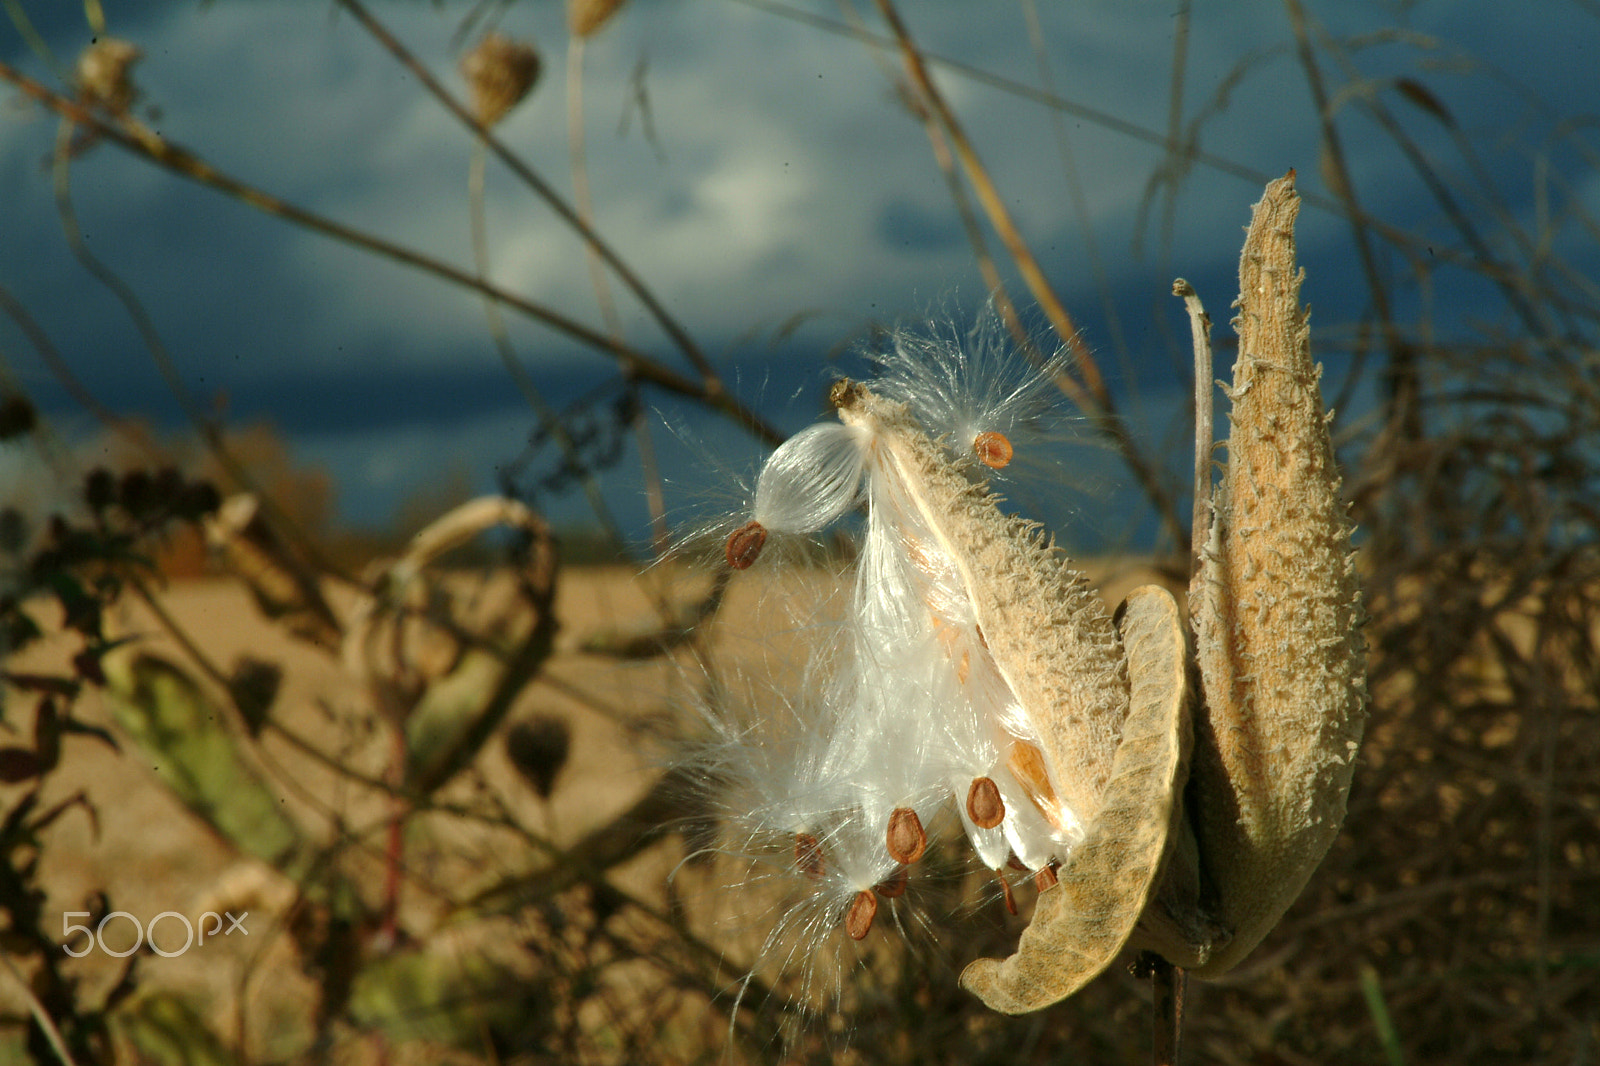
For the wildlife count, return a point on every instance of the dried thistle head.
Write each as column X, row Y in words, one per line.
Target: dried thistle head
column 105, row 74
column 499, row 73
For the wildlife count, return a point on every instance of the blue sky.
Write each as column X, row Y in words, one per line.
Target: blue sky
column 750, row 167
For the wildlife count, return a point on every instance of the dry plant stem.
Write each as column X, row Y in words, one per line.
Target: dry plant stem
column 146, row 143
column 1091, row 395
column 46, row 1025
column 1096, row 394
column 712, row 382
column 1167, row 985
column 1204, row 429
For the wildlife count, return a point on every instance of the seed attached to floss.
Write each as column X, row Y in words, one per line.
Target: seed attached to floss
column 745, row 544
column 906, row 838
column 1045, row 877
column 984, row 805
column 808, row 854
column 1005, row 887
column 895, row 886
column 858, row 921
column 992, row 448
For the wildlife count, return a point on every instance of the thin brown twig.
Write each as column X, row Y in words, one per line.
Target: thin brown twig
column 145, row 143
column 712, row 381
column 1091, row 395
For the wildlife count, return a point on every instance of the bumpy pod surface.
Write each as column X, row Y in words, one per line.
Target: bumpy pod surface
column 1276, row 611
column 1082, row 922
column 1048, row 632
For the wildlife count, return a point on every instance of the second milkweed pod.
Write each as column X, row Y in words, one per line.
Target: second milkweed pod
column 1277, row 613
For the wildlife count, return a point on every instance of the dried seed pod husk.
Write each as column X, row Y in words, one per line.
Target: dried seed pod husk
column 1081, row 924
column 499, row 73
column 1276, row 610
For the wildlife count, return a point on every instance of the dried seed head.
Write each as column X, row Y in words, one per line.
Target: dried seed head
column 105, row 73
column 894, row 887
column 907, row 841
column 499, row 73
column 808, row 854
column 993, row 449
column 745, row 544
column 984, row 805
column 858, row 920
column 586, row 16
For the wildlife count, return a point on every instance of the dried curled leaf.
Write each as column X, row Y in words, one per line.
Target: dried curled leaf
column 1081, row 924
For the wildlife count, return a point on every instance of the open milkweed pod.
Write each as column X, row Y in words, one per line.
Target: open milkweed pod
column 1276, row 612
column 1035, row 622
column 1081, row 923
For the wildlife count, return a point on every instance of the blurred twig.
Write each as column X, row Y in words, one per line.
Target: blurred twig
column 148, row 145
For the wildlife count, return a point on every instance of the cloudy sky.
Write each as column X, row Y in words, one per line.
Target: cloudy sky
column 752, row 165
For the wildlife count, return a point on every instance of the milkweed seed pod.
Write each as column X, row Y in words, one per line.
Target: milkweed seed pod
column 1276, row 611
column 105, row 73
column 974, row 669
column 1084, row 919
column 584, row 17
column 499, row 73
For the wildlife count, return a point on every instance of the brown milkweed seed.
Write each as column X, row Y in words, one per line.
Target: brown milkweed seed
column 808, row 854
column 993, row 449
column 858, row 921
column 1005, row 888
column 984, row 805
column 1045, row 877
column 906, row 838
column 745, row 543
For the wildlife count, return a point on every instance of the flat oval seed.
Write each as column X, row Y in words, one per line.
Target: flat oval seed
column 895, row 886
column 1005, row 887
column 993, row 449
column 745, row 544
column 808, row 854
column 1045, row 877
column 858, row 921
column 984, row 805
column 907, row 841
